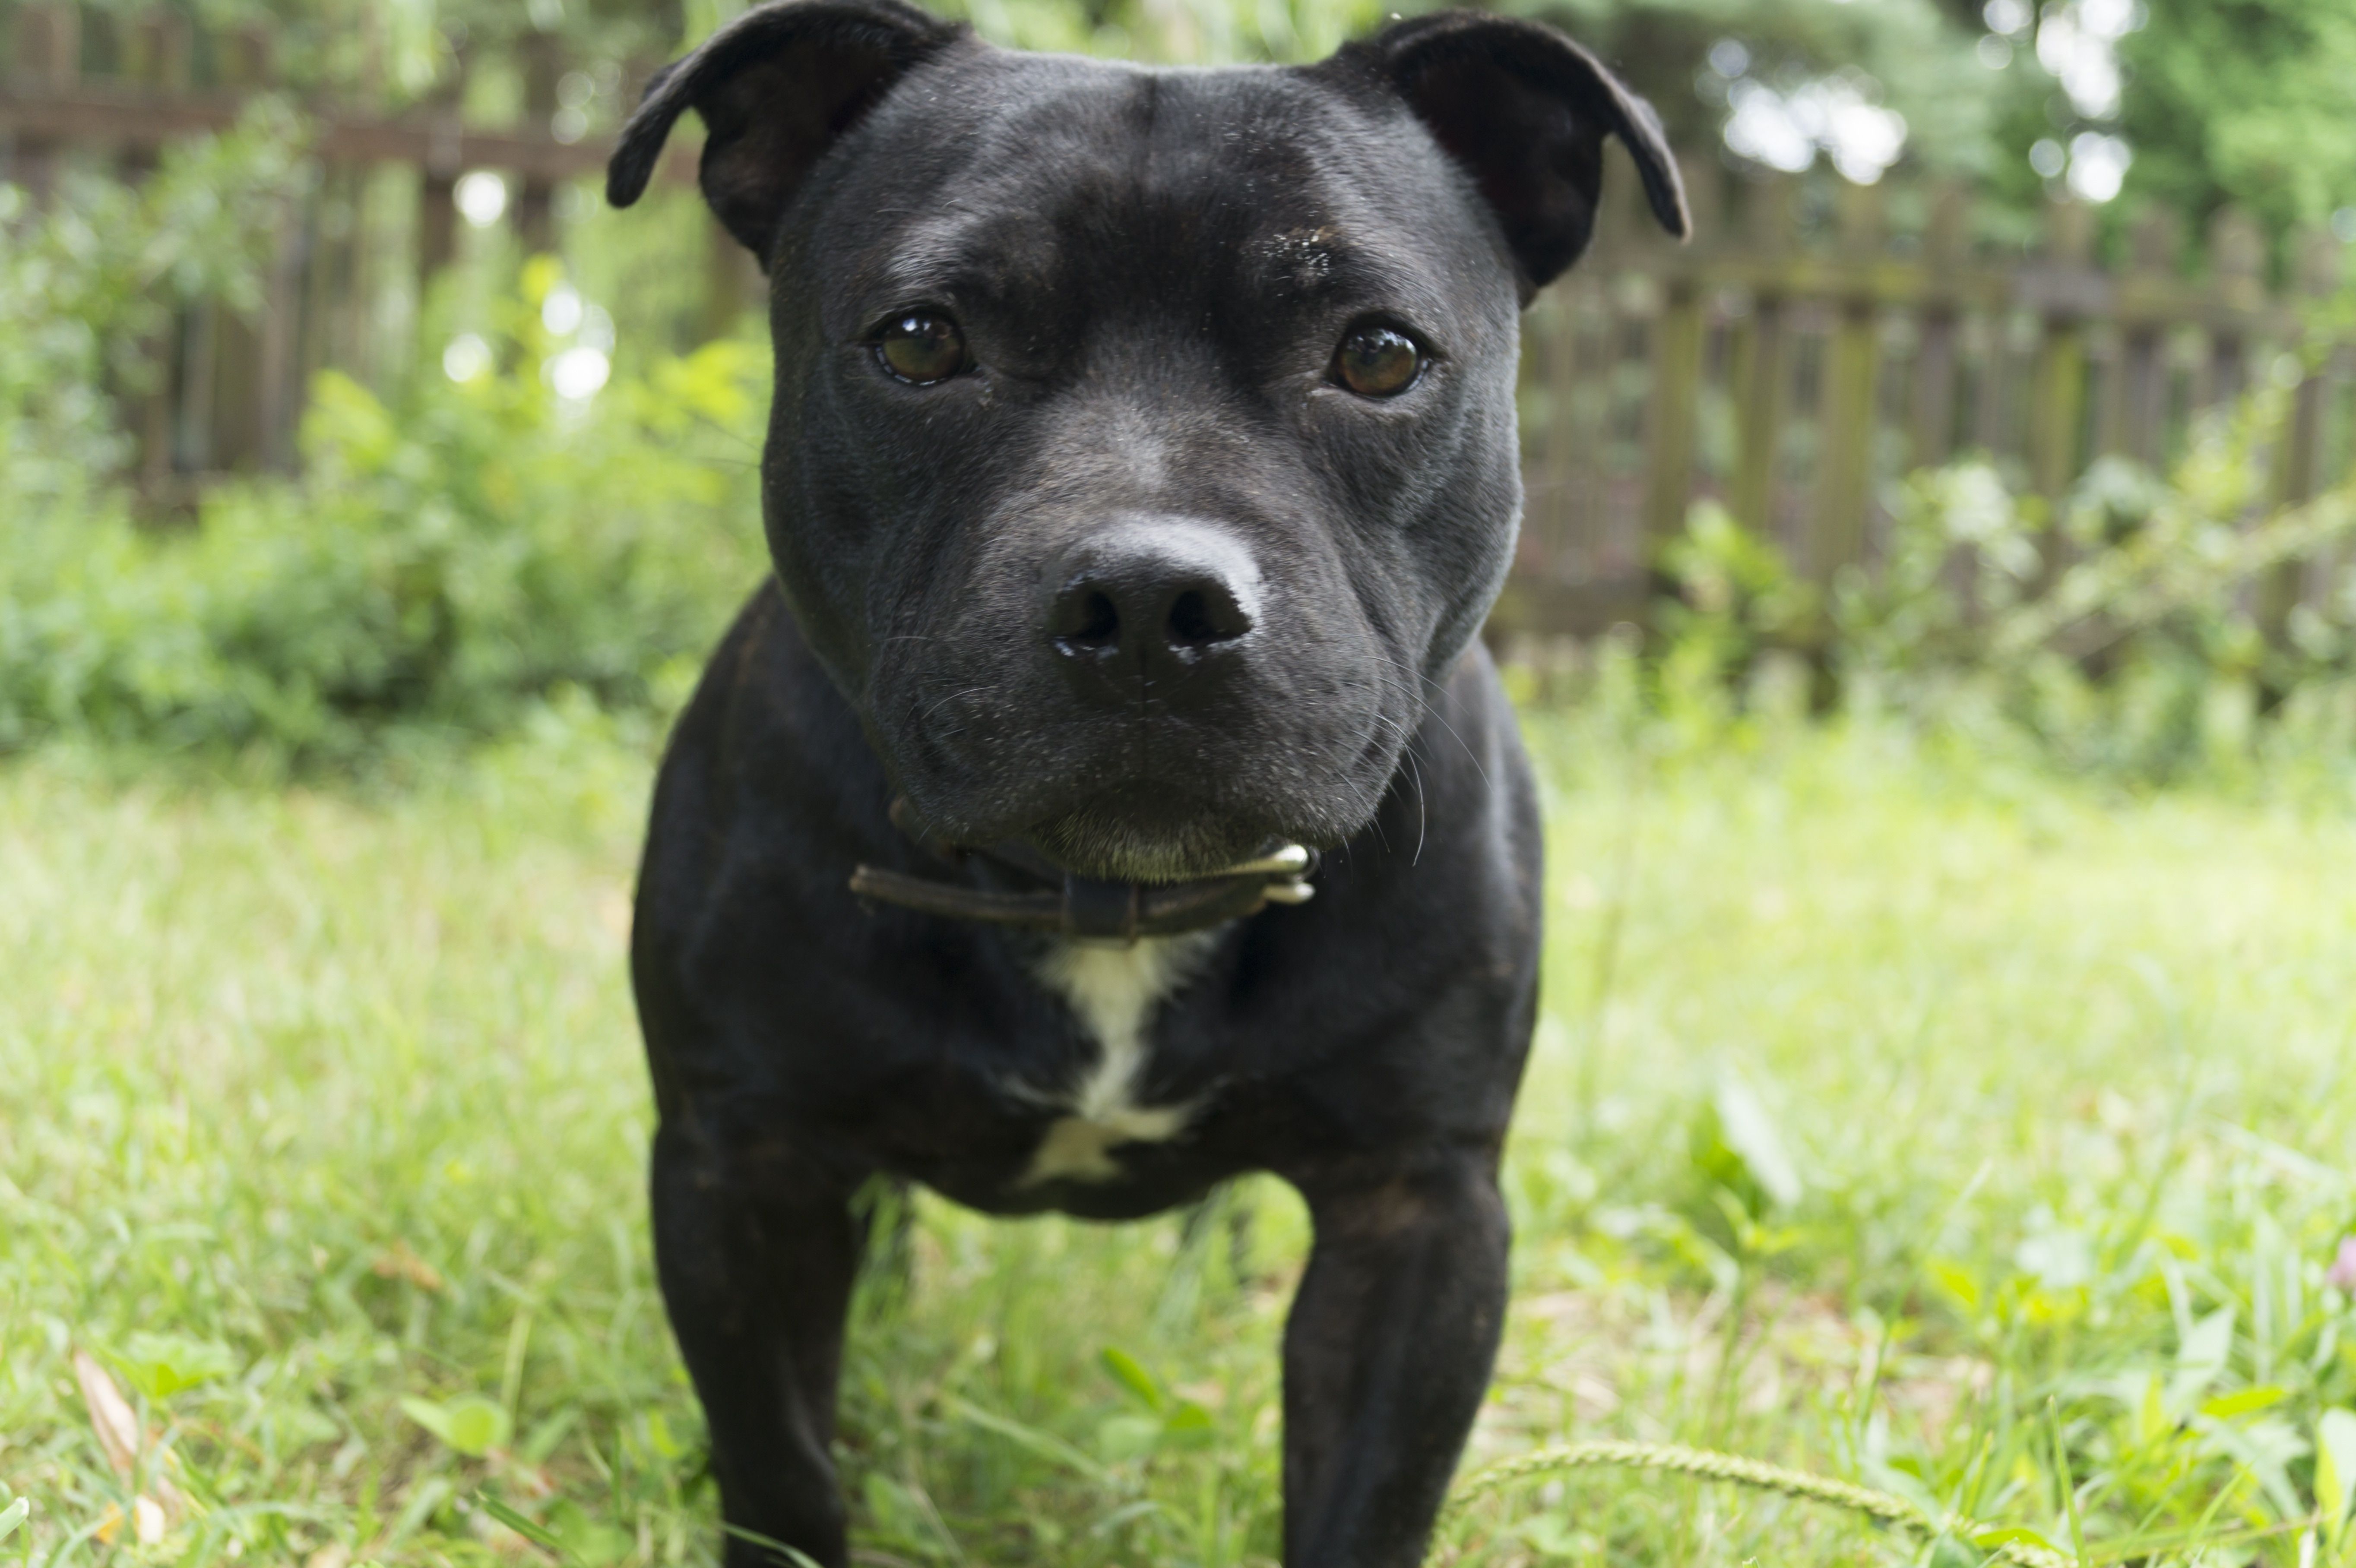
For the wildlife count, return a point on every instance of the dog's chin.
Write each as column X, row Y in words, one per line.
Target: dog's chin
column 1120, row 846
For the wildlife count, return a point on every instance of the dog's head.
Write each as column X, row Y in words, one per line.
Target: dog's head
column 1143, row 448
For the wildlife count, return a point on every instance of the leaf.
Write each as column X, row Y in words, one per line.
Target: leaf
column 469, row 1424
column 161, row 1365
column 2241, row 1401
column 400, row 1262
column 2201, row 1361
column 1752, row 1134
column 14, row 1514
column 897, row 1515
column 110, row 1415
column 119, row 1436
column 1188, row 1417
column 2206, row 1347
column 1121, row 1438
column 590, row 1542
column 1189, row 1425
column 2010, row 1534
column 2060, row 1259
column 1134, row 1377
column 1958, row 1282
column 2335, row 1468
column 2267, row 1446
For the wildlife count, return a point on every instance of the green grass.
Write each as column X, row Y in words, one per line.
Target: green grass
column 1895, row 1114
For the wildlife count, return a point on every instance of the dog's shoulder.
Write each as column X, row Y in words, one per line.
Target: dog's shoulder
column 766, row 766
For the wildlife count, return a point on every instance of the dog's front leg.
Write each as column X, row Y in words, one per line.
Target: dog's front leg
column 1387, row 1354
column 757, row 1269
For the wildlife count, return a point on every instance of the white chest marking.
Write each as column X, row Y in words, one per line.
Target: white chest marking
column 1115, row 991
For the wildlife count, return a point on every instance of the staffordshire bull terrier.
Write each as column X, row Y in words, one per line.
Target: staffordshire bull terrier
column 1109, row 796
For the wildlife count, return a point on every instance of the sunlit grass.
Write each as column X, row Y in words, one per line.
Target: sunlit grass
column 1893, row 1112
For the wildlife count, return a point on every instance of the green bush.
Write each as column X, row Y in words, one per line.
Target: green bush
column 2142, row 626
column 88, row 287
column 446, row 560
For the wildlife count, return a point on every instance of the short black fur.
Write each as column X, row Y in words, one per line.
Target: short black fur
column 1146, row 587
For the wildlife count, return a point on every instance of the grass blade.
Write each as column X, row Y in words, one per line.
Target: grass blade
column 2069, row 1487
column 793, row 1556
column 537, row 1533
column 1047, row 1444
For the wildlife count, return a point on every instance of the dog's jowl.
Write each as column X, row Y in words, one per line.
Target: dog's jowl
column 1110, row 796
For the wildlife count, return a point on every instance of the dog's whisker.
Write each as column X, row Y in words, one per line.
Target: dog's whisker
column 1408, row 755
column 1442, row 718
column 952, row 697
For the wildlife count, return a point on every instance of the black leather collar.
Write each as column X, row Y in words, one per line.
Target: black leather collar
column 1046, row 897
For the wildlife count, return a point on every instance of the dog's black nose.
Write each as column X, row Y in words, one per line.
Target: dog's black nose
column 1142, row 600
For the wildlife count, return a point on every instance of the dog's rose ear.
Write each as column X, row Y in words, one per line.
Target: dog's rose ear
column 1525, row 110
column 774, row 87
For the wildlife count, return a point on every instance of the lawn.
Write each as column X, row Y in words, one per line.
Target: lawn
column 1898, row 1113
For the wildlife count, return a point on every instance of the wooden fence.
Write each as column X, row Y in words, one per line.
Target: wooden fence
column 351, row 259
column 1815, row 343
column 1818, row 340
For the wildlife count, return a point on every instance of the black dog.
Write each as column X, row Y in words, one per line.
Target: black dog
column 1142, row 466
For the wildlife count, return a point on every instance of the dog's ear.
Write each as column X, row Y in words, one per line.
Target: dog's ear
column 1525, row 110
column 774, row 87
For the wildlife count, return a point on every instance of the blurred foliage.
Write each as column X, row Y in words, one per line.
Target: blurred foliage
column 448, row 561
column 1913, row 56
column 87, row 289
column 2249, row 103
column 2146, row 626
column 2243, row 102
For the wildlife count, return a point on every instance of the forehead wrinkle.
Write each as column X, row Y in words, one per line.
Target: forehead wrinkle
column 920, row 257
column 1179, row 193
column 969, row 255
column 1340, row 237
column 980, row 231
column 1343, row 245
column 1322, row 262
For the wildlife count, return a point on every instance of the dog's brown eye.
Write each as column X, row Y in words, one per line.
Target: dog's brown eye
column 1377, row 361
column 922, row 347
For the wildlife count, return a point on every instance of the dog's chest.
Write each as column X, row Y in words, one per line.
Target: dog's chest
column 1116, row 994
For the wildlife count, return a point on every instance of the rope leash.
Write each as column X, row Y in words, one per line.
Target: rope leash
column 1705, row 1465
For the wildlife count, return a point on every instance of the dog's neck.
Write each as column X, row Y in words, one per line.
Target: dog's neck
column 1043, row 896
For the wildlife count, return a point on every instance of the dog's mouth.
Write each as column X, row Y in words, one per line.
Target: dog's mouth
column 1148, row 833
column 1127, row 803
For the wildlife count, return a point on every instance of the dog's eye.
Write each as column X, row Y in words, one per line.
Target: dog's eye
column 922, row 347
column 1377, row 361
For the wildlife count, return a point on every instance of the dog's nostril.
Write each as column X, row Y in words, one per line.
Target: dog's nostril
column 1202, row 616
column 1092, row 621
column 1191, row 625
column 1147, row 601
column 1190, row 620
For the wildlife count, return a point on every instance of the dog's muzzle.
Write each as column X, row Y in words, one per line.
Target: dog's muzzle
column 1043, row 896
